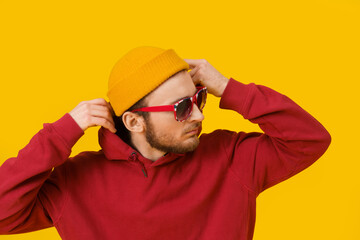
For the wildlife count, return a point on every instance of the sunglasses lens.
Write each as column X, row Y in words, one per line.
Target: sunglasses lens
column 201, row 99
column 183, row 109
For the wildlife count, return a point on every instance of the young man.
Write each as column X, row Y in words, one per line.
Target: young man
column 154, row 177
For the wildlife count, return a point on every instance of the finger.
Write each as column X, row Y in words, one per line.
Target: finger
column 100, row 107
column 99, row 101
column 197, row 78
column 99, row 121
column 111, row 109
column 99, row 111
column 89, row 107
column 192, row 62
column 103, row 113
column 193, row 71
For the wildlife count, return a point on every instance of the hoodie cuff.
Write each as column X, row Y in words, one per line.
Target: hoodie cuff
column 235, row 96
column 68, row 130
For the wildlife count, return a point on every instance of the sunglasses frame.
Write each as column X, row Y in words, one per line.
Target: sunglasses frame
column 172, row 108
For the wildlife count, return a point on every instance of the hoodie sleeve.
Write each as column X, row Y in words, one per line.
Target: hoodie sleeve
column 292, row 138
column 22, row 178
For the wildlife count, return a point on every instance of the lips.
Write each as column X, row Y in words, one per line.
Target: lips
column 195, row 131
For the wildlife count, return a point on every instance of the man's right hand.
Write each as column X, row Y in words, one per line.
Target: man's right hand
column 96, row 112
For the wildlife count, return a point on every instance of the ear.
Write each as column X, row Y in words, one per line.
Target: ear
column 133, row 122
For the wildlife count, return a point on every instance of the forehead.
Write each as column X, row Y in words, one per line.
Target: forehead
column 178, row 86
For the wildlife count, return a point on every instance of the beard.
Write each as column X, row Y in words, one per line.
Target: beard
column 167, row 143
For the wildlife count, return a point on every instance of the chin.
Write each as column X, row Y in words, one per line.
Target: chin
column 194, row 145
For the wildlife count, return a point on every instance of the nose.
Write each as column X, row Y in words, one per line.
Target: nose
column 196, row 114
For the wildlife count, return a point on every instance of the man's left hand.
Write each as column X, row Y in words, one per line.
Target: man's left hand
column 203, row 73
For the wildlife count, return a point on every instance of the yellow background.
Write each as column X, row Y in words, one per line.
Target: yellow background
column 54, row 54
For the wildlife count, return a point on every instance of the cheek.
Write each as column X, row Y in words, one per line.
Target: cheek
column 162, row 118
column 165, row 123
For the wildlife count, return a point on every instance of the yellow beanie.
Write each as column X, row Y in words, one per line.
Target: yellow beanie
column 138, row 73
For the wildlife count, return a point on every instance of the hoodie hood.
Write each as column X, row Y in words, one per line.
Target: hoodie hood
column 114, row 148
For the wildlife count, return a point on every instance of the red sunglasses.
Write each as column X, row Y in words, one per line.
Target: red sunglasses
column 182, row 108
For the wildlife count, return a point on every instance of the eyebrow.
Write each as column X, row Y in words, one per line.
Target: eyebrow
column 183, row 97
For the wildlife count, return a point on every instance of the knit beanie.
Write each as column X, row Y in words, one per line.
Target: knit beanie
column 138, row 73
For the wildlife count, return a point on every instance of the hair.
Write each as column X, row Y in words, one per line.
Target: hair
column 122, row 131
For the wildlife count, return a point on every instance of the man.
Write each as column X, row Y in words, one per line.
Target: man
column 154, row 177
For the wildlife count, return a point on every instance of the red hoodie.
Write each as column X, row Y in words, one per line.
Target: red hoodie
column 116, row 193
